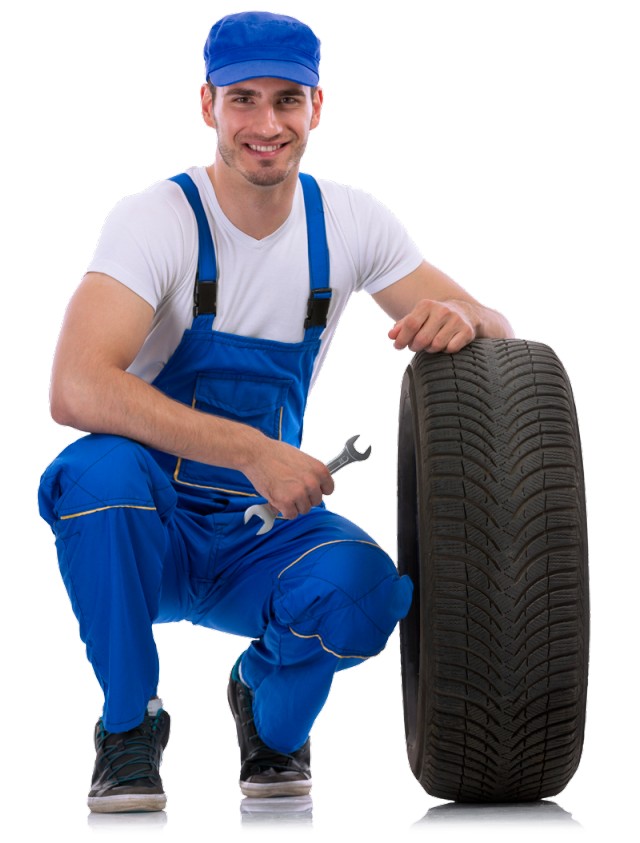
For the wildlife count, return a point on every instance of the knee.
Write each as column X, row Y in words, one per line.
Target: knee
column 349, row 596
column 102, row 471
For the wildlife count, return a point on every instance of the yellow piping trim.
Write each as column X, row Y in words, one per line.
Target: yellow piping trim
column 216, row 488
column 179, row 463
column 322, row 644
column 177, row 471
column 324, row 544
column 102, row 509
column 280, row 428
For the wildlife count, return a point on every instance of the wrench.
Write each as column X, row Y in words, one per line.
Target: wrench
column 347, row 455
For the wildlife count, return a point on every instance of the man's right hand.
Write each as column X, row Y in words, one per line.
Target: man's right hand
column 290, row 480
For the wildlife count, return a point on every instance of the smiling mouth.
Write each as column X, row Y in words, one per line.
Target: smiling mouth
column 273, row 147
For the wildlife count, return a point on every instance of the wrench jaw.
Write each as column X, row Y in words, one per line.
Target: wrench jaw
column 263, row 512
column 354, row 455
column 348, row 455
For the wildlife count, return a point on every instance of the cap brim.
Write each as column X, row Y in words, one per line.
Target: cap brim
column 241, row 71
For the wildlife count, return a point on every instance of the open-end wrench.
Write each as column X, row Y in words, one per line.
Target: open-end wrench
column 347, row 455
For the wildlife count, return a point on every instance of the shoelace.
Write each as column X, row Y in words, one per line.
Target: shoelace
column 138, row 750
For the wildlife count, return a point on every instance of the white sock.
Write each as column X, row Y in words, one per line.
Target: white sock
column 154, row 706
column 241, row 676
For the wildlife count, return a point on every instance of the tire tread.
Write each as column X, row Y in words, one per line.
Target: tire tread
column 503, row 555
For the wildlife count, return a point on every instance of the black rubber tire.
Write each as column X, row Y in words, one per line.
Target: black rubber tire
column 492, row 530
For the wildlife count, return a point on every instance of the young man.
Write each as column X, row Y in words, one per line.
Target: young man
column 187, row 352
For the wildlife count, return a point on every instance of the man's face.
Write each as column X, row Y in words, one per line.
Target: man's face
column 262, row 126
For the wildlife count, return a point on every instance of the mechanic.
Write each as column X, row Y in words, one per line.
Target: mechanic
column 186, row 354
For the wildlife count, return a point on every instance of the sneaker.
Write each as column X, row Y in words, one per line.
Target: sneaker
column 265, row 772
column 125, row 776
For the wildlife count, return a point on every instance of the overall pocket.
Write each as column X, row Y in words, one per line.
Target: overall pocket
column 255, row 400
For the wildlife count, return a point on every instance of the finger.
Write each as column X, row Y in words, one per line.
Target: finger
column 304, row 503
column 289, row 510
column 327, row 484
column 433, row 331
column 459, row 341
column 315, row 497
column 454, row 334
column 408, row 328
column 443, row 328
column 440, row 341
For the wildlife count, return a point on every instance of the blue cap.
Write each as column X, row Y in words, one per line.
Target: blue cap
column 250, row 45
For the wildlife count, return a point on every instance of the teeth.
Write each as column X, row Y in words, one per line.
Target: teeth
column 257, row 148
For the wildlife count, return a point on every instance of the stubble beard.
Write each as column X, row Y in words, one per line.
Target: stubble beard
column 268, row 174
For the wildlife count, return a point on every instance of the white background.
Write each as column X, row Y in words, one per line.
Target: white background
column 505, row 136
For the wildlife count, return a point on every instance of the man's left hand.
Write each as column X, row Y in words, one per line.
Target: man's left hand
column 436, row 326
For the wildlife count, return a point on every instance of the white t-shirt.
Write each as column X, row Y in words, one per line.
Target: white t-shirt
column 149, row 243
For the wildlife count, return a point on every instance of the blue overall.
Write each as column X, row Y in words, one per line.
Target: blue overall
column 143, row 537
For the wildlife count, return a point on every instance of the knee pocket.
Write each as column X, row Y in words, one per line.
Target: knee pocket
column 102, row 471
column 347, row 594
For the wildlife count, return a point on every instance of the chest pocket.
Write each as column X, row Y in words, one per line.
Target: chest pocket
column 256, row 400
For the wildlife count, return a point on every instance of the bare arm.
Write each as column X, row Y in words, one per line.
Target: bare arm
column 104, row 328
column 436, row 314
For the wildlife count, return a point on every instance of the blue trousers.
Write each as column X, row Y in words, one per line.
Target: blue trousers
column 316, row 594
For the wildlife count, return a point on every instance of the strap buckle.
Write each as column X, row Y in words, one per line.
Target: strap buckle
column 205, row 296
column 318, row 308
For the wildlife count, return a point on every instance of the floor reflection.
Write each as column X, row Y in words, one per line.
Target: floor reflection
column 285, row 810
column 141, row 820
column 541, row 813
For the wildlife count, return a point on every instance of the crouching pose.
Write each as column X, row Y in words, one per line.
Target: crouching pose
column 187, row 354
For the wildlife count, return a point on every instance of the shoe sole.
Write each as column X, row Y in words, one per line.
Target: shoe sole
column 127, row 802
column 266, row 791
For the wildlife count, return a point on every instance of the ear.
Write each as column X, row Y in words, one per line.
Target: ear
column 316, row 104
column 207, row 106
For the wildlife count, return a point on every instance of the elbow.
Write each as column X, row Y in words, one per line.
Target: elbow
column 66, row 403
column 59, row 411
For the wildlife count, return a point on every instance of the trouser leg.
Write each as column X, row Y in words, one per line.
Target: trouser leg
column 321, row 596
column 108, row 504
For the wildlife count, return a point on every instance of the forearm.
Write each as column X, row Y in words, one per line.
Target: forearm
column 123, row 404
column 119, row 403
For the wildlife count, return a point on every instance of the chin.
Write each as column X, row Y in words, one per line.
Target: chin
column 267, row 177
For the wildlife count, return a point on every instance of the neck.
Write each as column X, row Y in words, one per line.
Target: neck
column 256, row 210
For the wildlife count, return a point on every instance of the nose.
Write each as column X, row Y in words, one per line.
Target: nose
column 267, row 123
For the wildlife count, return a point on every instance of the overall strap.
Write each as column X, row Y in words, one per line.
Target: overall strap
column 205, row 291
column 320, row 297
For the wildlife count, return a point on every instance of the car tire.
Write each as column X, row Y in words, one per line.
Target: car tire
column 492, row 531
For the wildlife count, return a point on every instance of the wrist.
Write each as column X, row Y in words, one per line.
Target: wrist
column 249, row 446
column 494, row 325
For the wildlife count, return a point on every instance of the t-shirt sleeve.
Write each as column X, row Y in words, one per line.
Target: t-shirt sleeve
column 142, row 244
column 385, row 252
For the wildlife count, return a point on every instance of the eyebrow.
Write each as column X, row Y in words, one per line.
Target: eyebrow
column 250, row 92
